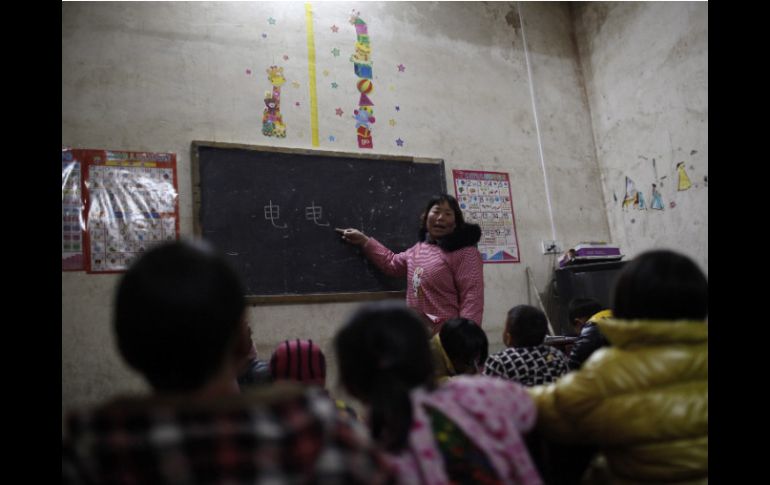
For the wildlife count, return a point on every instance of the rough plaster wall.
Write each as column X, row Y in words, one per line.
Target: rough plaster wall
column 569, row 158
column 646, row 70
column 155, row 76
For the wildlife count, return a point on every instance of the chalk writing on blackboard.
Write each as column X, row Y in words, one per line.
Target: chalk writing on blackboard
column 235, row 186
column 273, row 213
column 314, row 213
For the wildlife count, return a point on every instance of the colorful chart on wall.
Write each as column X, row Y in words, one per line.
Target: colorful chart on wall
column 130, row 204
column 485, row 199
column 72, row 225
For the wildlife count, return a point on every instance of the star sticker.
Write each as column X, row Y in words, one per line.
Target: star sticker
column 400, row 142
column 271, row 21
column 331, row 138
column 285, row 57
column 336, row 52
column 339, row 111
column 296, row 104
column 335, row 28
column 326, row 72
column 248, row 71
column 398, row 108
column 334, row 85
column 401, row 68
column 295, row 84
column 392, row 122
column 264, row 35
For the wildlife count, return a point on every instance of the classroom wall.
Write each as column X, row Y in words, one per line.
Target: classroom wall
column 154, row 76
column 646, row 75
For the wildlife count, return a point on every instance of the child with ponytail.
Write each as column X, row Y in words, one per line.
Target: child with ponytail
column 468, row 430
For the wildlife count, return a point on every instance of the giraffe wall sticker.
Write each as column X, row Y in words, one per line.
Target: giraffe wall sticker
column 272, row 121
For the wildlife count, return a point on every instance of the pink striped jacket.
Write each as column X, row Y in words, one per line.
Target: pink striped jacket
column 440, row 284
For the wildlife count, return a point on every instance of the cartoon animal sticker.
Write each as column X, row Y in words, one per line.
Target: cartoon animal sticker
column 272, row 121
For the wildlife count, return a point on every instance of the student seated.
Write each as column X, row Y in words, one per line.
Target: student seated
column 526, row 360
column 460, row 347
column 644, row 400
column 178, row 317
column 584, row 313
column 303, row 361
column 253, row 371
column 465, row 431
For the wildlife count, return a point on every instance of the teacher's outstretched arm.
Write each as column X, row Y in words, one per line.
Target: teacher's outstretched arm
column 384, row 259
column 352, row 236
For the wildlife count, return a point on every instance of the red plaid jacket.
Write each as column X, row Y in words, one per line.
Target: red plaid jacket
column 278, row 434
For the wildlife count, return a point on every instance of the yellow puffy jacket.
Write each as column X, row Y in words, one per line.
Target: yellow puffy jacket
column 442, row 365
column 643, row 401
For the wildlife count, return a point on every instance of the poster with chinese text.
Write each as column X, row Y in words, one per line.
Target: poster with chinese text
column 485, row 199
column 131, row 204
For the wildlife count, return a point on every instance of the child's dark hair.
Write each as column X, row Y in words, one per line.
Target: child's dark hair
column 464, row 342
column 526, row 325
column 661, row 285
column 177, row 312
column 382, row 354
column 583, row 308
column 438, row 199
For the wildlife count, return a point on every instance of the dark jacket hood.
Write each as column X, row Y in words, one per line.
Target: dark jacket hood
column 467, row 235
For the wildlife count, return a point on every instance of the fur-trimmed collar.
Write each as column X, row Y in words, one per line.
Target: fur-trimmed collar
column 464, row 236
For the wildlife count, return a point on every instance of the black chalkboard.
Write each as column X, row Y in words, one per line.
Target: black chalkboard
column 297, row 256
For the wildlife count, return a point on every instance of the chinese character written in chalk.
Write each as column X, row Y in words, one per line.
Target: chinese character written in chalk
column 314, row 213
column 273, row 213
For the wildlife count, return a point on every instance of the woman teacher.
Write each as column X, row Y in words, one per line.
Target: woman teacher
column 444, row 270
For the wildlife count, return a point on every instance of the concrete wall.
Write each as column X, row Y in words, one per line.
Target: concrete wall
column 646, row 75
column 155, row 76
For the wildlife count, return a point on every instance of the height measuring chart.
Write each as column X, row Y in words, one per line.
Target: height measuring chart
column 485, row 199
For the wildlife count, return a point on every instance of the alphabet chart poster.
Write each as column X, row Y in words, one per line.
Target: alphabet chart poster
column 485, row 199
column 131, row 205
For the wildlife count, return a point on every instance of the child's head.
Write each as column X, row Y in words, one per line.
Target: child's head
column 299, row 360
column 465, row 343
column 383, row 339
column 178, row 315
column 383, row 353
column 581, row 309
column 526, row 326
column 661, row 285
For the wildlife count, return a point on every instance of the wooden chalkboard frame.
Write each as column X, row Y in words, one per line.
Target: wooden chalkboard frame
column 310, row 297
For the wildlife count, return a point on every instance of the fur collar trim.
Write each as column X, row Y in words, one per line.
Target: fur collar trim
column 462, row 237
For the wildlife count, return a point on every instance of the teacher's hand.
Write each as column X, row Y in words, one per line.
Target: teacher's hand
column 352, row 236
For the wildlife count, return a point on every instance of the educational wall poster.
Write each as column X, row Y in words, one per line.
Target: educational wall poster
column 72, row 224
column 485, row 199
column 131, row 204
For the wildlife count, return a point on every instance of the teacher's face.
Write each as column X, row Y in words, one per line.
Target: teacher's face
column 440, row 221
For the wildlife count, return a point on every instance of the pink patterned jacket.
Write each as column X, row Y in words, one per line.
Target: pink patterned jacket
column 440, row 284
column 492, row 412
